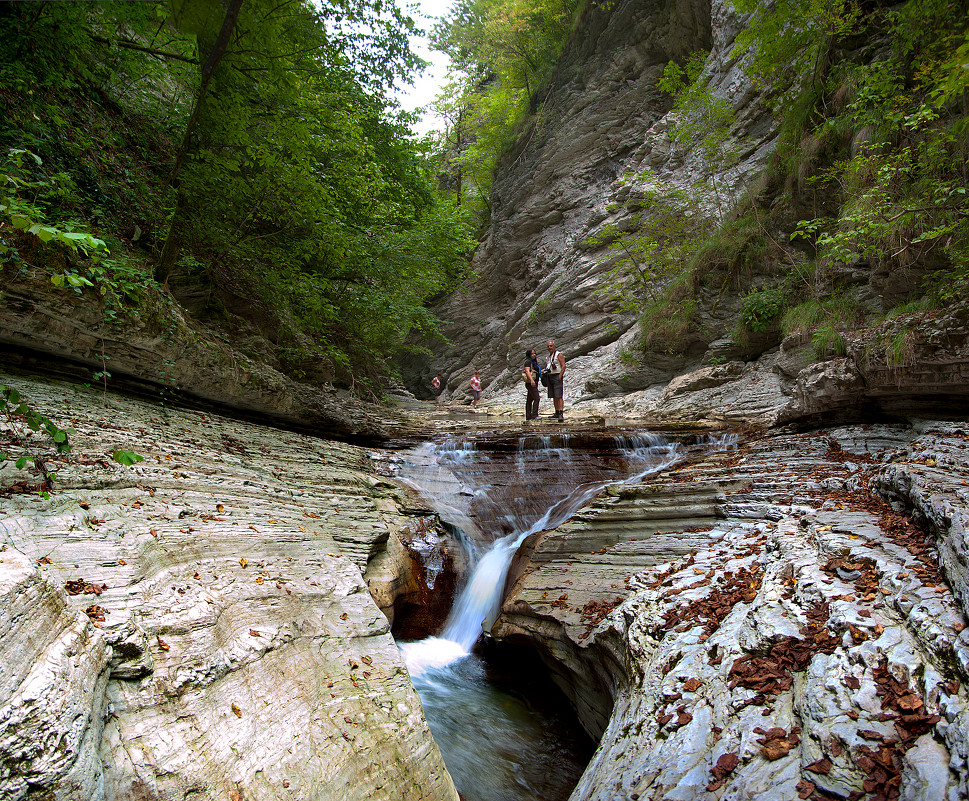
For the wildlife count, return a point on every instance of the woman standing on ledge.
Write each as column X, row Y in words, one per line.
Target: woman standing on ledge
column 531, row 373
column 556, row 388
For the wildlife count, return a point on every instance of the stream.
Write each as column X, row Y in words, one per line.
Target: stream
column 501, row 741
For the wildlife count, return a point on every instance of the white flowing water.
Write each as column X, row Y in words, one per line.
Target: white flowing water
column 495, row 747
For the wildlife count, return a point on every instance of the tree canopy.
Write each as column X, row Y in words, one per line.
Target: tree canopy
column 255, row 145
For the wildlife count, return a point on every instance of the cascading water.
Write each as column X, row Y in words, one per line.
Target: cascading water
column 495, row 747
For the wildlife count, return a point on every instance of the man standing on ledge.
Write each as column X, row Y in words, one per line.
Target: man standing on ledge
column 556, row 371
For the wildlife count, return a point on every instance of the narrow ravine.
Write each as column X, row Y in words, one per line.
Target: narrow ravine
column 497, row 745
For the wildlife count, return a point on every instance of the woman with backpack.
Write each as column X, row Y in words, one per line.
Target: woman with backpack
column 531, row 374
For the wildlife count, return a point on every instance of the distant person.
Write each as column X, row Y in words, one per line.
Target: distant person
column 475, row 384
column 437, row 384
column 556, row 374
column 532, row 373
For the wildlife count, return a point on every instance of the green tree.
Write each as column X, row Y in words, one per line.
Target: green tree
column 289, row 183
column 502, row 52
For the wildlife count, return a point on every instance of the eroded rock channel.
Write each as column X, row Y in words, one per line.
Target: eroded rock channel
column 784, row 618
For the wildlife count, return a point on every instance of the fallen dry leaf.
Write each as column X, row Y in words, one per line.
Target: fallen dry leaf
column 236, row 710
column 822, row 766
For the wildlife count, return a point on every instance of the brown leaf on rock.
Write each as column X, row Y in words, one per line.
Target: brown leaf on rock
column 776, row 742
column 236, row 710
column 822, row 766
column 691, row 685
column 162, row 644
column 726, row 765
column 852, row 682
column 805, row 788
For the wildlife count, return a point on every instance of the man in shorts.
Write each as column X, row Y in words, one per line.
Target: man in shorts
column 556, row 371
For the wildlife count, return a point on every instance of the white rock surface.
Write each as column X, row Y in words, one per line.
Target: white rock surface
column 240, row 652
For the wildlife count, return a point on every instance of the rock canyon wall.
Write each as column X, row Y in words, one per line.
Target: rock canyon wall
column 604, row 117
column 538, row 277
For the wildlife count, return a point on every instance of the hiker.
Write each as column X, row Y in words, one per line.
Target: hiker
column 531, row 373
column 437, row 384
column 475, row 384
column 556, row 389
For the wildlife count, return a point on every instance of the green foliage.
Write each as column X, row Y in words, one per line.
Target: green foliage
column 285, row 183
column 502, row 53
column 21, row 418
column 759, row 310
column 828, row 342
column 27, row 215
column 126, row 457
column 654, row 245
column 892, row 127
column 826, row 320
column 701, row 121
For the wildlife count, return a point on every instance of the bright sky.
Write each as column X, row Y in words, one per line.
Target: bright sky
column 425, row 86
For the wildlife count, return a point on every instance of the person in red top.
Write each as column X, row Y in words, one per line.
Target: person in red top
column 475, row 384
column 437, row 384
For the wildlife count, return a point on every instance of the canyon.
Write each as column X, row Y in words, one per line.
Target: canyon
column 775, row 612
column 780, row 613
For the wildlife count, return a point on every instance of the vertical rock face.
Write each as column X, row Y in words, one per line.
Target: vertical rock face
column 197, row 625
column 603, row 117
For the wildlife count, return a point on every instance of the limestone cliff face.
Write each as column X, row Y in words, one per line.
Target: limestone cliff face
column 539, row 278
column 604, row 117
column 198, row 624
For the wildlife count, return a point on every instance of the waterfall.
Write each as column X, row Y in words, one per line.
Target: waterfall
column 496, row 746
column 479, row 602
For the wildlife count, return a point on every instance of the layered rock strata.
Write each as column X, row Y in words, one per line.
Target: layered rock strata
column 197, row 624
column 767, row 623
column 161, row 352
column 603, row 118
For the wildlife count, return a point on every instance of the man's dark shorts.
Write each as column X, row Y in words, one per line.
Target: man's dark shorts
column 555, row 386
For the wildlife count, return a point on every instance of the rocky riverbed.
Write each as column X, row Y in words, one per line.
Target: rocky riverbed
column 781, row 619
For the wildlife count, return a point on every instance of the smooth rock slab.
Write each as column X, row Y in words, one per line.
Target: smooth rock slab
column 234, row 647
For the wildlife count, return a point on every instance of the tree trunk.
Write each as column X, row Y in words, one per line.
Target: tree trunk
column 169, row 254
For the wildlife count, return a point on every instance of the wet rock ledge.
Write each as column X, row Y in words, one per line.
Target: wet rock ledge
column 783, row 621
column 197, row 625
